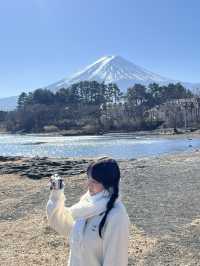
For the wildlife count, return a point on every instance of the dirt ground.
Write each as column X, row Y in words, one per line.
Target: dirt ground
column 162, row 196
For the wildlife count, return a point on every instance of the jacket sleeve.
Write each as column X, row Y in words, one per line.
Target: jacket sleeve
column 116, row 241
column 59, row 216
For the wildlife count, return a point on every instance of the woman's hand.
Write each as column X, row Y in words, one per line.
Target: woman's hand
column 56, row 182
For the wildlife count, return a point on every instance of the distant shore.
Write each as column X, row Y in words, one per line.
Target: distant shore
column 159, row 132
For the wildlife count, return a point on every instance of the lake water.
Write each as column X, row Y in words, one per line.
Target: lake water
column 119, row 146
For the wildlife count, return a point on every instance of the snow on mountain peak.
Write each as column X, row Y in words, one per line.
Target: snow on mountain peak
column 108, row 69
column 112, row 69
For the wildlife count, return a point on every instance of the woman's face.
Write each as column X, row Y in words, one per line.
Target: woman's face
column 94, row 186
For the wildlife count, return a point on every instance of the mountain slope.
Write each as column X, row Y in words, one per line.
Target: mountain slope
column 8, row 103
column 113, row 69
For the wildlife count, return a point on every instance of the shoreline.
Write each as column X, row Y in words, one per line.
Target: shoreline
column 38, row 167
column 68, row 133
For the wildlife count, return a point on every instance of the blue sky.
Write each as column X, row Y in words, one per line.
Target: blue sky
column 42, row 41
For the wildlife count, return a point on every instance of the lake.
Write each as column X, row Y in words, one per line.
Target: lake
column 118, row 146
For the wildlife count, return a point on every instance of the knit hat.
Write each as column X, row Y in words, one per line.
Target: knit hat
column 105, row 171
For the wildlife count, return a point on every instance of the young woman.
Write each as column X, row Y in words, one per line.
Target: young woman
column 98, row 225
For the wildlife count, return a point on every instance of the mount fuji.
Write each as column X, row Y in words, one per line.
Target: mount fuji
column 108, row 69
column 113, row 69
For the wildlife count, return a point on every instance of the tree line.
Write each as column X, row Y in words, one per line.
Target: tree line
column 91, row 107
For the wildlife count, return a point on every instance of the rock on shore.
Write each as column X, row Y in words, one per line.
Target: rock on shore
column 39, row 167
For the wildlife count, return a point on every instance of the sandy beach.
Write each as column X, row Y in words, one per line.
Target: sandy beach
column 162, row 196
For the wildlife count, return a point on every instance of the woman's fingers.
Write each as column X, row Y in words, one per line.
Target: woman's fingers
column 51, row 183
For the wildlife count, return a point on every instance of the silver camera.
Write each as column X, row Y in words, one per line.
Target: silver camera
column 56, row 182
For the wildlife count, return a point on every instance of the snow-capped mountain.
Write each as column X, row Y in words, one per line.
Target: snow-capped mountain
column 8, row 103
column 113, row 69
column 108, row 69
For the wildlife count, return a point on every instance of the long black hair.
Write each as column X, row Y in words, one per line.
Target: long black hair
column 106, row 171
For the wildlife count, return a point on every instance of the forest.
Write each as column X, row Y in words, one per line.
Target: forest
column 89, row 107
